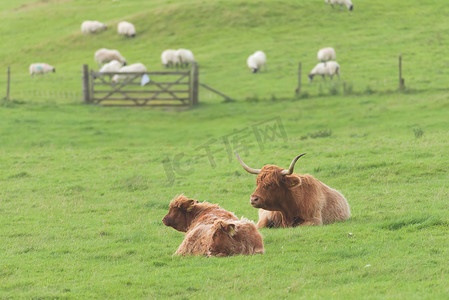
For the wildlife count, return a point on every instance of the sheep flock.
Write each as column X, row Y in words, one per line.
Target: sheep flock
column 112, row 61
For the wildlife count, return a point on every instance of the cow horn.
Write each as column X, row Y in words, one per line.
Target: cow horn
column 248, row 169
column 292, row 165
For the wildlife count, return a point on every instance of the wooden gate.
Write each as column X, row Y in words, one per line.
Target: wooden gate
column 170, row 88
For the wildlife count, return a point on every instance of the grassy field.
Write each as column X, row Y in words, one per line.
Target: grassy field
column 222, row 34
column 83, row 188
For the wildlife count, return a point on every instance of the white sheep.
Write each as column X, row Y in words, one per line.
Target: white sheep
column 88, row 27
column 127, row 29
column 104, row 55
column 169, row 58
column 185, row 57
column 134, row 68
column 326, row 54
column 330, row 69
column 256, row 60
column 41, row 68
column 348, row 3
column 112, row 66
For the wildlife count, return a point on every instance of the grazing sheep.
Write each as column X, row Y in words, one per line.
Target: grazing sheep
column 348, row 3
column 88, row 27
column 104, row 55
column 169, row 58
column 127, row 29
column 256, row 60
column 330, row 69
column 41, row 68
column 112, row 66
column 134, row 68
column 185, row 57
column 326, row 54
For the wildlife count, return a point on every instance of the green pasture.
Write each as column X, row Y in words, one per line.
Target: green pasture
column 222, row 34
column 83, row 188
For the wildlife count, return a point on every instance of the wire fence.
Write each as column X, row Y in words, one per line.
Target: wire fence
column 48, row 94
column 354, row 80
column 37, row 88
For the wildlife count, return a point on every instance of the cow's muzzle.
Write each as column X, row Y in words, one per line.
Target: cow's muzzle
column 255, row 201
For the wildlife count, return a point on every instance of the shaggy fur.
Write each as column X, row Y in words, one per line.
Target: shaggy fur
column 196, row 241
column 235, row 237
column 297, row 199
column 211, row 230
column 222, row 238
column 269, row 219
column 185, row 214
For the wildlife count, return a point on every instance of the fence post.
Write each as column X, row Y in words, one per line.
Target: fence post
column 86, row 84
column 401, row 80
column 195, row 86
column 8, row 83
column 298, row 89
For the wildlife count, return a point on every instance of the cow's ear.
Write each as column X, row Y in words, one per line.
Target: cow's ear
column 229, row 228
column 188, row 205
column 293, row 181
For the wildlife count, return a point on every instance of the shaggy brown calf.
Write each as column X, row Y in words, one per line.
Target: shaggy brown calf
column 235, row 237
column 211, row 230
column 286, row 199
column 185, row 214
column 223, row 238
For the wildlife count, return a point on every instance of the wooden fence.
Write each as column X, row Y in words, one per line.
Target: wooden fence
column 170, row 88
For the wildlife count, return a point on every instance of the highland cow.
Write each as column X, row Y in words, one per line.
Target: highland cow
column 286, row 199
column 185, row 214
column 211, row 230
column 235, row 237
column 223, row 238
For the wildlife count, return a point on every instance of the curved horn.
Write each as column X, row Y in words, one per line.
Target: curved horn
column 248, row 169
column 292, row 165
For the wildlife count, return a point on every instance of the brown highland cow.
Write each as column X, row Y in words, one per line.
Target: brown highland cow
column 235, row 237
column 286, row 199
column 211, row 230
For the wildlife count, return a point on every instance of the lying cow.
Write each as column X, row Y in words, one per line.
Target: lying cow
column 223, row 238
column 235, row 237
column 185, row 214
column 211, row 230
column 286, row 199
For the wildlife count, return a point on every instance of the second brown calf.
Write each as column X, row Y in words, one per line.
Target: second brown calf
column 235, row 237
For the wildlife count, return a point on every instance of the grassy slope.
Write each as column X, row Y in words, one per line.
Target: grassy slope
column 223, row 33
column 83, row 189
